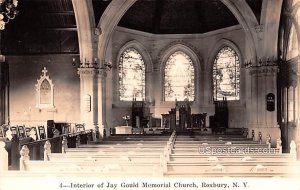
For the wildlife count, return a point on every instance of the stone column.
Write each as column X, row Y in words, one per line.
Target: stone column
column 263, row 82
column 101, row 104
column 89, row 97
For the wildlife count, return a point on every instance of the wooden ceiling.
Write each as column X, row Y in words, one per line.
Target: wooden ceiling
column 177, row 16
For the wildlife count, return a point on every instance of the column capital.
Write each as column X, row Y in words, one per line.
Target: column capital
column 87, row 71
column 263, row 70
column 92, row 72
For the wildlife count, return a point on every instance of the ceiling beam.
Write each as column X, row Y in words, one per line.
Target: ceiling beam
column 61, row 28
column 59, row 13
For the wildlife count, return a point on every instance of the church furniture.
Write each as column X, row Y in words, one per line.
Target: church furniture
column 138, row 131
column 36, row 147
column 123, row 130
column 79, row 127
column 181, row 118
column 50, row 128
column 42, row 132
column 113, row 158
column 165, row 121
column 198, row 121
column 139, row 114
column 172, row 119
column 34, row 133
column 234, row 168
column 14, row 130
column 27, row 131
column 22, row 132
column 219, row 121
column 119, row 162
column 2, row 132
column 187, row 158
column 66, row 128
column 168, row 156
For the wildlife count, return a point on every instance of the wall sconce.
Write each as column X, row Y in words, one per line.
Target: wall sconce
column 106, row 66
column 94, row 64
column 261, row 63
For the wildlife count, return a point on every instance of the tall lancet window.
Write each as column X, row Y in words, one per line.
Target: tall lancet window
column 131, row 75
column 292, row 58
column 293, row 47
column 179, row 78
column 226, row 75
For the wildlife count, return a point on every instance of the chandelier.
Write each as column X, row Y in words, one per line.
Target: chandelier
column 8, row 11
column 95, row 64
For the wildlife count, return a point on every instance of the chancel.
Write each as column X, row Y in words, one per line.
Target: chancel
column 150, row 88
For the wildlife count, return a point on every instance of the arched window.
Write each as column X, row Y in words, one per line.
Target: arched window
column 131, row 75
column 293, row 47
column 179, row 77
column 292, row 60
column 226, row 75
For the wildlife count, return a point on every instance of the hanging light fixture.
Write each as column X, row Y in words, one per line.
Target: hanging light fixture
column 8, row 11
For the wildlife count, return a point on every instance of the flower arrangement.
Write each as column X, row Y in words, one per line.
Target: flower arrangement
column 126, row 118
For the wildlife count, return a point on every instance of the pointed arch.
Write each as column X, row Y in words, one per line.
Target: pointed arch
column 141, row 49
column 186, row 74
column 226, row 71
column 117, row 8
column 132, row 72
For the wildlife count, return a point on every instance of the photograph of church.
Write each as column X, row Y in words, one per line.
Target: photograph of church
column 196, row 88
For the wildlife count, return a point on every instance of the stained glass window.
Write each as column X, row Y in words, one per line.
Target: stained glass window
column 179, row 77
column 131, row 75
column 293, row 48
column 226, row 75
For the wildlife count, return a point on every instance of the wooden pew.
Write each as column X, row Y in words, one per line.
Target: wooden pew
column 214, row 142
column 222, row 148
column 113, row 150
column 153, row 143
column 232, row 158
column 108, row 158
column 91, row 166
column 189, row 139
column 111, row 164
column 234, row 168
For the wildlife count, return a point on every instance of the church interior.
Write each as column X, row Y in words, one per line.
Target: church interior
column 158, row 79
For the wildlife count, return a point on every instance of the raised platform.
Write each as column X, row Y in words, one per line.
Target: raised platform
column 123, row 130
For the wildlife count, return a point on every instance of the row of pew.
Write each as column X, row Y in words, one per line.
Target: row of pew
column 165, row 156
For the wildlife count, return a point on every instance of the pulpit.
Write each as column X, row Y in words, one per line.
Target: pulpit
column 172, row 119
column 199, row 121
column 184, row 109
column 139, row 114
column 165, row 121
column 219, row 121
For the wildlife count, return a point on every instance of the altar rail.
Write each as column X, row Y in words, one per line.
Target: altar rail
column 10, row 149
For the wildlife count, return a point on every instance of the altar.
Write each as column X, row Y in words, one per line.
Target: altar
column 123, row 130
